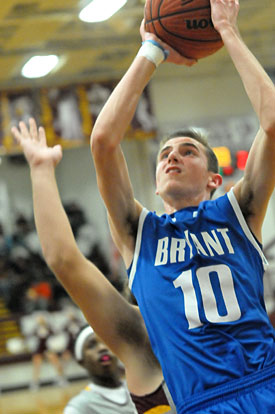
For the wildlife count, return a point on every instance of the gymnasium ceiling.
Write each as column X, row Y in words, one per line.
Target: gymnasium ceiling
column 103, row 51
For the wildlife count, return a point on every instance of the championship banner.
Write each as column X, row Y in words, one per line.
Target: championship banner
column 67, row 114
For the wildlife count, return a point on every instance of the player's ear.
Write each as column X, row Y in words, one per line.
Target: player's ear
column 214, row 181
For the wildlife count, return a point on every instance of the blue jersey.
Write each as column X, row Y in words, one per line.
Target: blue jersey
column 197, row 276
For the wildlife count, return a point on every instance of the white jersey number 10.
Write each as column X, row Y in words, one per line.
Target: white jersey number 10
column 185, row 282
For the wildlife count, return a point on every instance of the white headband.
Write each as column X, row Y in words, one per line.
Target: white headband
column 78, row 346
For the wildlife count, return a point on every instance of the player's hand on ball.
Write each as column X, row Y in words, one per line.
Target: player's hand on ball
column 224, row 13
column 34, row 144
column 173, row 56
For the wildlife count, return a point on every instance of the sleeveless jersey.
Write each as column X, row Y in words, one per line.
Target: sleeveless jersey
column 95, row 399
column 158, row 402
column 197, row 276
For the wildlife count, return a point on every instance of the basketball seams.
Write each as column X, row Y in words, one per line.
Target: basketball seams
column 151, row 9
column 158, row 12
column 187, row 2
column 184, row 25
column 158, row 17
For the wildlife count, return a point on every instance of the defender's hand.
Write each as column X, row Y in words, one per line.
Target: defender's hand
column 34, row 144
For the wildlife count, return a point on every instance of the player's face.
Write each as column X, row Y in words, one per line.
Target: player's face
column 97, row 358
column 182, row 169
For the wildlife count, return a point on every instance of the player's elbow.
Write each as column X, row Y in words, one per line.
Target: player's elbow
column 101, row 141
column 269, row 126
column 60, row 261
column 54, row 260
column 268, row 121
column 269, row 130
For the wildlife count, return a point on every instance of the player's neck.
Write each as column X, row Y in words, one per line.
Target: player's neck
column 108, row 382
column 172, row 205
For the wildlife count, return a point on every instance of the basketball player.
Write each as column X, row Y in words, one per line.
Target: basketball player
column 197, row 271
column 107, row 393
column 118, row 323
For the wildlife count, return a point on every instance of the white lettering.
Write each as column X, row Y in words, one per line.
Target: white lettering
column 177, row 252
column 188, row 242
column 227, row 240
column 162, row 252
column 215, row 244
column 198, row 245
column 174, row 250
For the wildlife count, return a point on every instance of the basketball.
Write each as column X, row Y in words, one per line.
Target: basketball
column 185, row 25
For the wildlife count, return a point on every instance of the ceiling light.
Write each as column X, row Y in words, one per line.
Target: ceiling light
column 39, row 66
column 100, row 10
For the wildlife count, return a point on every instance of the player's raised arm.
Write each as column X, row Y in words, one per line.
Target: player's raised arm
column 254, row 190
column 108, row 132
column 118, row 323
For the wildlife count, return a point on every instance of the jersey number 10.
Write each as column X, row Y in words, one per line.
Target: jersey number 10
column 185, row 282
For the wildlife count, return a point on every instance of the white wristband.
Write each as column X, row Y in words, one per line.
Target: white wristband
column 153, row 51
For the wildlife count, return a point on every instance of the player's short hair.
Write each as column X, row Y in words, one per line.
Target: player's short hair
column 199, row 136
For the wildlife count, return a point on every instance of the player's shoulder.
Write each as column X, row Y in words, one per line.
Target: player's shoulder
column 81, row 400
column 220, row 202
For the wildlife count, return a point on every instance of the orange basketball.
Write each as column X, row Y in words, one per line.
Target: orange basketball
column 185, row 25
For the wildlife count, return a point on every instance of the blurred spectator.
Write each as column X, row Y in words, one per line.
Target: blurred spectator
column 22, row 228
column 76, row 216
column 86, row 237
column 26, row 282
column 5, row 281
column 71, row 329
column 19, row 272
column 46, row 346
column 39, row 296
column 5, row 243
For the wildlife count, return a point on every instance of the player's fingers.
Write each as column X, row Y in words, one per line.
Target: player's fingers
column 178, row 59
column 16, row 134
column 24, row 130
column 190, row 62
column 57, row 153
column 33, row 129
column 42, row 136
column 186, row 62
column 142, row 29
